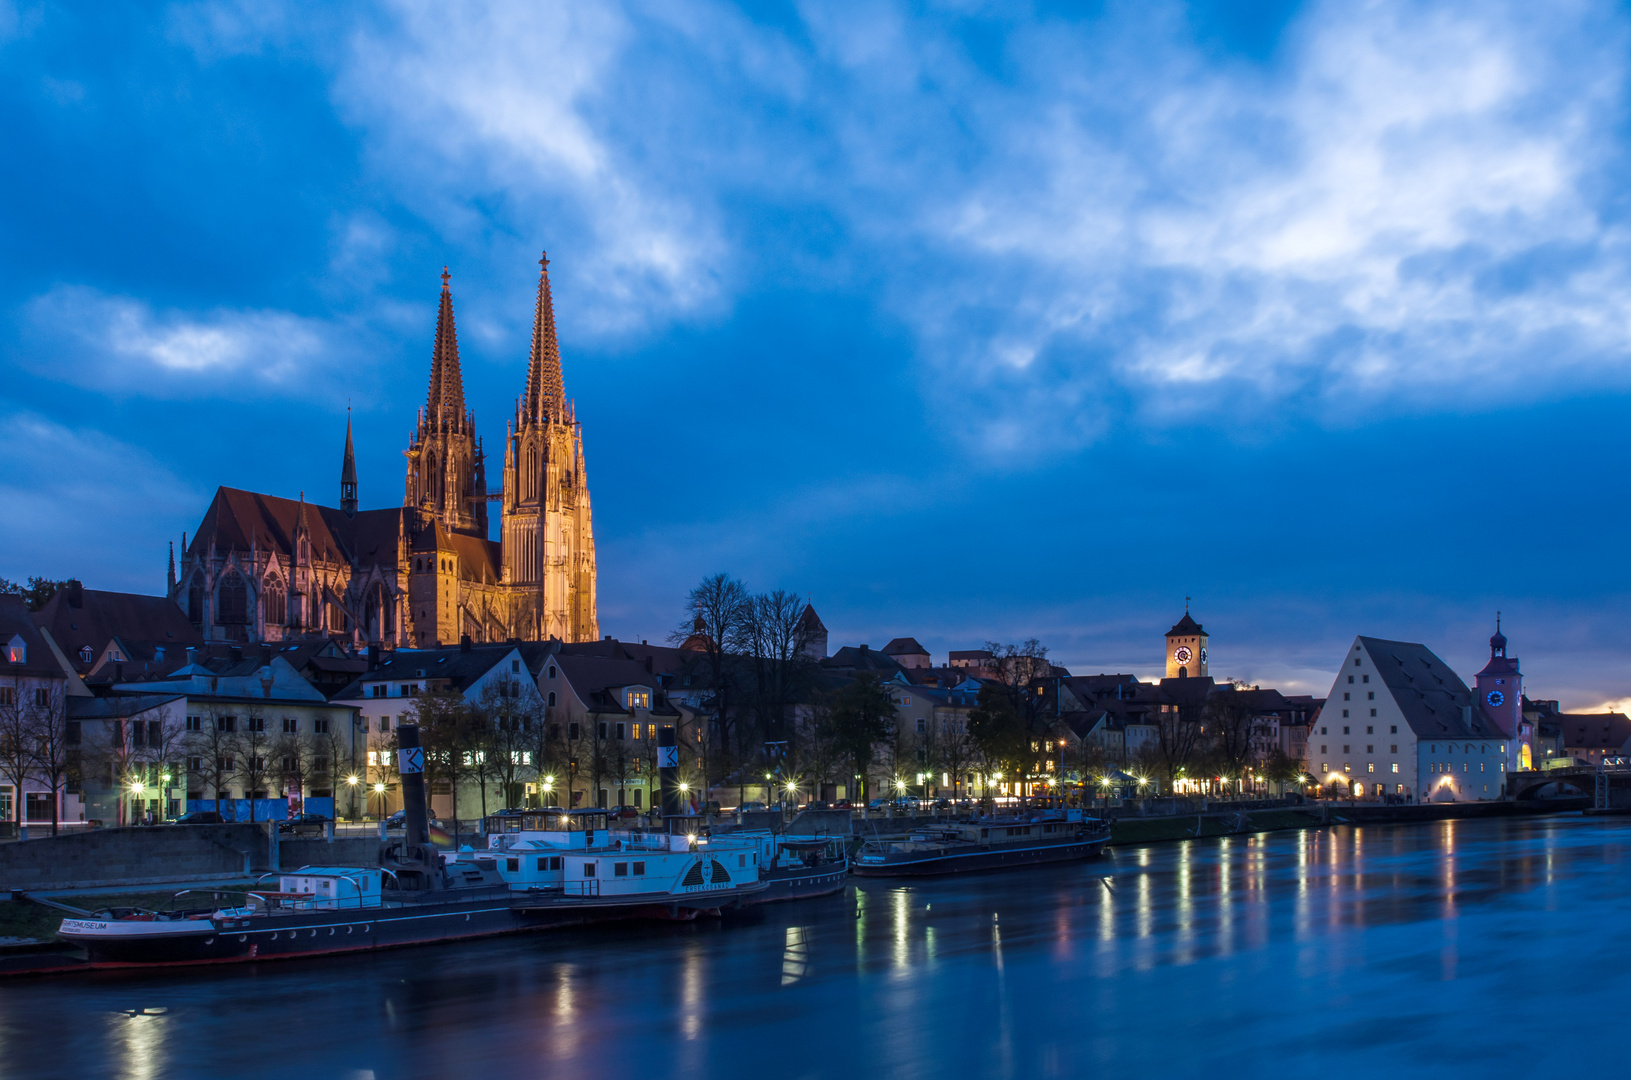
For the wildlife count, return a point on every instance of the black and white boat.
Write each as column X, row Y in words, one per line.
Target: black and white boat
column 985, row 844
column 793, row 867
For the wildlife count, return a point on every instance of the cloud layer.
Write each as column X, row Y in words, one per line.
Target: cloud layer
column 1406, row 206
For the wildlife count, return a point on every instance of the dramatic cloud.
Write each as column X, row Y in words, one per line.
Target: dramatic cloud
column 120, row 344
column 1405, row 207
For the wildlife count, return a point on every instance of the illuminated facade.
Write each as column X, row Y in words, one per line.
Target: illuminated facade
column 266, row 568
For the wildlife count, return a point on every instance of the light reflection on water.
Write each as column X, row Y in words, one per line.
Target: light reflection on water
column 1206, row 958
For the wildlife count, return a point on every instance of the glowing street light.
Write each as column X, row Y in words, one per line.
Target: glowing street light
column 137, row 787
column 351, row 780
column 379, row 789
column 685, row 786
column 549, row 783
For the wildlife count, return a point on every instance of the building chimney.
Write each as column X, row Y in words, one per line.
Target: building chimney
column 373, row 655
column 192, row 655
column 464, row 642
column 76, row 595
column 266, row 681
column 648, row 663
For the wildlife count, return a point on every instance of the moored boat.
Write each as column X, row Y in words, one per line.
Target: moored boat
column 985, row 844
column 569, row 870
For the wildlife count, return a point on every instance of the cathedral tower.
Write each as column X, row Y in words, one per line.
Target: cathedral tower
column 446, row 475
column 548, row 532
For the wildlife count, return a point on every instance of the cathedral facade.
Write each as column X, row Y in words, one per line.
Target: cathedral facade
column 266, row 568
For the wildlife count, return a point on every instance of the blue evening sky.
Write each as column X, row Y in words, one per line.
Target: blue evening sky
column 973, row 321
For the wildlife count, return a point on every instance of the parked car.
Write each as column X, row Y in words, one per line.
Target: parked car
column 399, row 820
column 625, row 813
column 200, row 817
column 754, row 805
column 304, row 824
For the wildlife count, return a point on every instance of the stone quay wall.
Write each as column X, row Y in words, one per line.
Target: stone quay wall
column 167, row 853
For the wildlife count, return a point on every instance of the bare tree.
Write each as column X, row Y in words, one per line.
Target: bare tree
column 777, row 641
column 1179, row 736
column 51, row 746
column 251, row 746
column 16, row 760
column 295, row 755
column 1232, row 720
column 210, row 750
column 715, row 617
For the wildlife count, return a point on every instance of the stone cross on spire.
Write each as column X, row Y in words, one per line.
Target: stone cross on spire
column 545, row 394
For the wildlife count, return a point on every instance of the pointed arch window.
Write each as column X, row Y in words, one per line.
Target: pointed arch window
column 232, row 601
column 274, row 603
column 195, row 602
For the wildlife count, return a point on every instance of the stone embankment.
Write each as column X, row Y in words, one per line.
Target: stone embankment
column 134, row 856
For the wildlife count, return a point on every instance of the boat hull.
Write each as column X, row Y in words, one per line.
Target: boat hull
column 982, row 859
column 802, row 882
column 108, row 943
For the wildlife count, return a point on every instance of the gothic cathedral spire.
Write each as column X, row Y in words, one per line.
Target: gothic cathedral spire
column 444, row 405
column 446, row 478
column 545, row 395
column 348, row 473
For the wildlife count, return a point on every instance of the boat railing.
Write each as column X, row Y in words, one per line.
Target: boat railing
column 588, row 887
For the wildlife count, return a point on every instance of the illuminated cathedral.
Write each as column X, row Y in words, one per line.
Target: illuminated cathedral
column 268, row 568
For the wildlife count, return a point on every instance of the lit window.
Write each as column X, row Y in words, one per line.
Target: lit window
column 1370, row 767
column 1395, row 766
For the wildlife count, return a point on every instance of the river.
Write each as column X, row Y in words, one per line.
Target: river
column 1477, row 948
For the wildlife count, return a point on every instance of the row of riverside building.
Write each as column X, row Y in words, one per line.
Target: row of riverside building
column 293, row 638
column 156, row 719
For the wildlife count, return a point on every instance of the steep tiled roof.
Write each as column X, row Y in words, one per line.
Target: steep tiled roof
column 904, row 646
column 1594, row 731
column 1186, row 627
column 81, row 618
column 238, row 520
column 1434, row 700
column 17, row 621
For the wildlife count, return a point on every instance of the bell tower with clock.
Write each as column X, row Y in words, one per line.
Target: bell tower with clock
column 1186, row 648
column 1500, row 686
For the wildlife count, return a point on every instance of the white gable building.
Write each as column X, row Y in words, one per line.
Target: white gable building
column 1398, row 723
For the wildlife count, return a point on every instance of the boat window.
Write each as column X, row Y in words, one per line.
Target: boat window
column 543, row 862
column 620, row 869
column 513, row 865
column 741, row 860
column 639, row 869
column 588, row 869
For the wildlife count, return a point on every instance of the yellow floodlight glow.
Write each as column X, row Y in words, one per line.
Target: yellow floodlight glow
column 137, row 787
column 685, row 787
column 352, row 780
column 549, row 783
column 379, row 789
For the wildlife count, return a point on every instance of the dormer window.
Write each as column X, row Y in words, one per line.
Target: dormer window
column 636, row 699
column 16, row 650
column 86, row 655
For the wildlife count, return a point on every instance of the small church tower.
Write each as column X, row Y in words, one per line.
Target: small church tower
column 1186, row 648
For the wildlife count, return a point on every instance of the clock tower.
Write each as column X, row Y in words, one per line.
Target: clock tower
column 1186, row 648
column 1500, row 686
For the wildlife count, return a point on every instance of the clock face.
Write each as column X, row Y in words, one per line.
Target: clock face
column 1181, row 654
column 1495, row 698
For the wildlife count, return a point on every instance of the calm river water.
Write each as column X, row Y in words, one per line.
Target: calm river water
column 1484, row 948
